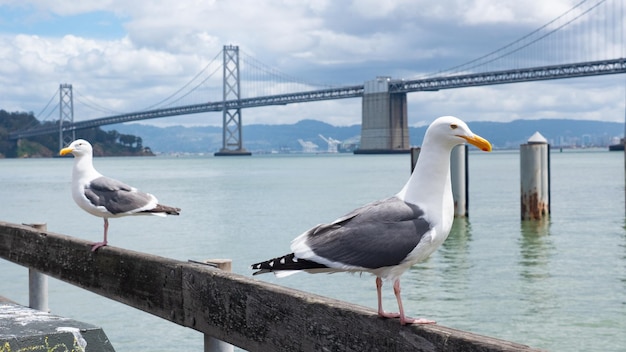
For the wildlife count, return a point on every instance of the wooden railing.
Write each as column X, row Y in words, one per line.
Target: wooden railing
column 242, row 311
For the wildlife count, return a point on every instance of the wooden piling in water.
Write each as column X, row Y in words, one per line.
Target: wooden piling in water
column 535, row 178
column 251, row 314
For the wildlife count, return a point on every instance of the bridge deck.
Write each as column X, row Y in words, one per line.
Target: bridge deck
column 583, row 69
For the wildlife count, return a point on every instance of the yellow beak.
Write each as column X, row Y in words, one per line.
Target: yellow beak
column 479, row 142
column 65, row 151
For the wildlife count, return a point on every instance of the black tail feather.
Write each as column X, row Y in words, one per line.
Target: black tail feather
column 286, row 262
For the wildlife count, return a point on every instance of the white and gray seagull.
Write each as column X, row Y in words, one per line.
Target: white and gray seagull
column 106, row 197
column 388, row 236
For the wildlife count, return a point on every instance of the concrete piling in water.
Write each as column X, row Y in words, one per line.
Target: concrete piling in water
column 458, row 176
column 535, row 178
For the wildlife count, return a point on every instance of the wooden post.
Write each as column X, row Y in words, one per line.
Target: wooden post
column 38, row 283
column 211, row 344
column 535, row 178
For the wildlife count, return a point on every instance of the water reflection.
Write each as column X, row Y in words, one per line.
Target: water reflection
column 537, row 287
column 455, row 255
column 448, row 267
column 444, row 277
column 456, row 247
column 536, row 249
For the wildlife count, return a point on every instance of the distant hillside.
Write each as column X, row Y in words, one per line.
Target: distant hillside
column 45, row 146
column 558, row 132
column 257, row 138
column 267, row 138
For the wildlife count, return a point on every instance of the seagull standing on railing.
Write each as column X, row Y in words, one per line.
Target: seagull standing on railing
column 387, row 237
column 105, row 197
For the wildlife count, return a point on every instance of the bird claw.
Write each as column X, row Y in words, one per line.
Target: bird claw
column 388, row 315
column 98, row 245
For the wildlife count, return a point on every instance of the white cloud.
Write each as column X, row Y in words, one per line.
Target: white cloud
column 581, row 98
column 162, row 45
column 535, row 13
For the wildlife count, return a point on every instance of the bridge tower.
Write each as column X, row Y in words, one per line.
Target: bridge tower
column 66, row 114
column 231, row 131
column 384, row 125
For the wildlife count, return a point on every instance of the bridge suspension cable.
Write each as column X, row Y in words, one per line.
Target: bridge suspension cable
column 165, row 103
column 197, row 86
column 540, row 35
column 54, row 109
column 260, row 79
column 39, row 117
column 85, row 101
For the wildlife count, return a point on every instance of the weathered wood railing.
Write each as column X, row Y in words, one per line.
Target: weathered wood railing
column 248, row 313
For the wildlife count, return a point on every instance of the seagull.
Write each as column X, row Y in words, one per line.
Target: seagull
column 388, row 236
column 106, row 197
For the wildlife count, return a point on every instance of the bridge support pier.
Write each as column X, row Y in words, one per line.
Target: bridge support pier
column 384, row 125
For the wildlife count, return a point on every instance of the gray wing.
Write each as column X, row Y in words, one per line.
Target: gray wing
column 376, row 235
column 117, row 197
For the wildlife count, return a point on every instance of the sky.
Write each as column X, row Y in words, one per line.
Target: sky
column 125, row 56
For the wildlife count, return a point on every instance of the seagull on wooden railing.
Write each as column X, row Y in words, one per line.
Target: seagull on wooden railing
column 388, row 236
column 106, row 197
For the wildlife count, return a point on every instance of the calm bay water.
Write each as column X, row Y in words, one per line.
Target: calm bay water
column 559, row 285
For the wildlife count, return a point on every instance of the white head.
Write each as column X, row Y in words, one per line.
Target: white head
column 78, row 148
column 429, row 185
column 451, row 131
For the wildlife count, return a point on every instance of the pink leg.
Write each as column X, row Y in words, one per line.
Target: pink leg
column 381, row 312
column 103, row 243
column 404, row 319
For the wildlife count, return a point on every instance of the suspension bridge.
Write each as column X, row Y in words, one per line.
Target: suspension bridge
column 587, row 40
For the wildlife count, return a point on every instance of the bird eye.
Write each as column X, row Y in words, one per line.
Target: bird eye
column 454, row 126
